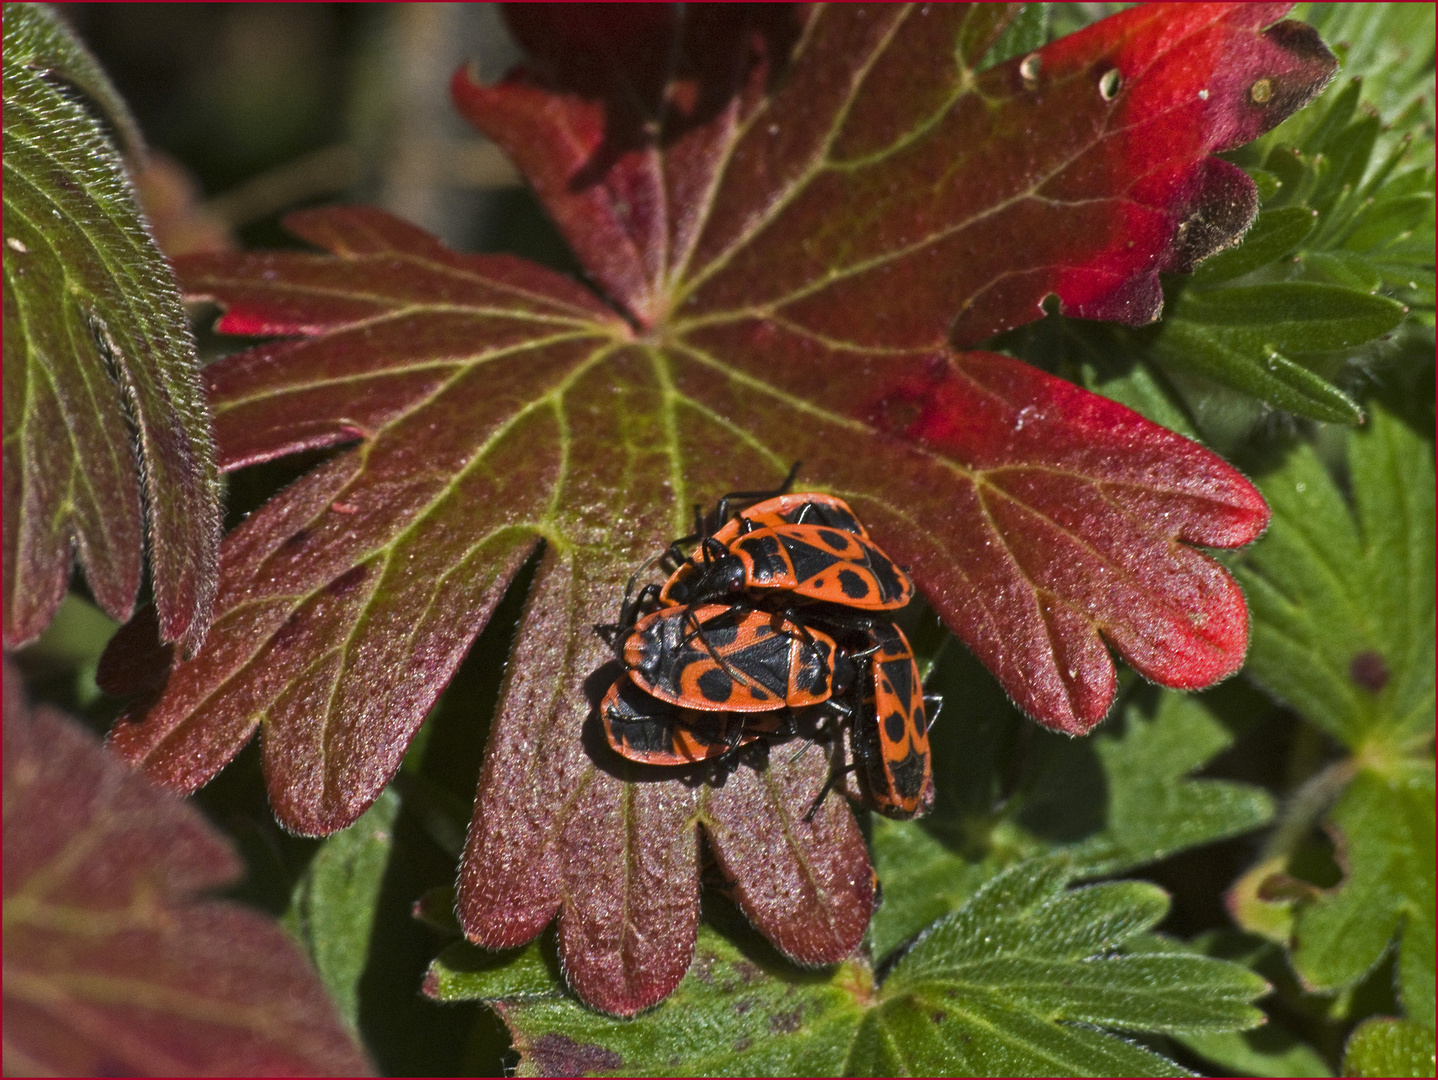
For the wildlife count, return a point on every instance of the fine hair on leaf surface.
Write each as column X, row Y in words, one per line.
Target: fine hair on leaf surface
column 1069, row 368
column 794, row 220
column 108, row 455
column 1101, row 335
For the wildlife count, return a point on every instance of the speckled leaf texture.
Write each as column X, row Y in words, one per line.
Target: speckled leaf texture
column 795, row 218
column 113, row 965
column 105, row 425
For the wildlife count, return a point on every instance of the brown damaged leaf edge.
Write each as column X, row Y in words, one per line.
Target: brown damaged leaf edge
column 795, row 248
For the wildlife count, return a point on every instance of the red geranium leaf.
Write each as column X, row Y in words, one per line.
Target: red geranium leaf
column 886, row 195
column 819, row 867
column 112, row 967
column 794, row 247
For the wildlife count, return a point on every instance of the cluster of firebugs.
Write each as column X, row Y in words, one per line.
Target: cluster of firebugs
column 779, row 623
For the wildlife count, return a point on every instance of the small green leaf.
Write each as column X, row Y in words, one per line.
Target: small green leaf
column 1289, row 316
column 1265, row 374
column 737, row 1013
column 1386, row 837
column 1270, row 1050
column 1390, row 219
column 96, row 344
column 332, row 909
column 1346, row 163
column 1265, row 1051
column 1153, row 811
column 1342, row 601
column 986, row 1039
column 1027, row 32
column 1286, row 165
column 1274, row 234
column 1342, row 605
column 1325, row 134
column 463, row 972
column 993, row 988
column 1268, row 185
column 1343, row 268
column 1386, row 1047
column 1026, row 912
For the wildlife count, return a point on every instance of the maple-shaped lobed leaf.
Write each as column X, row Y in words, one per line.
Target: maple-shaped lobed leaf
column 105, row 425
column 797, row 213
column 1021, row 980
column 1343, row 633
column 113, row 967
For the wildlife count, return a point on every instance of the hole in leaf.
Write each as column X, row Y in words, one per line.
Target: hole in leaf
column 1029, row 69
column 1261, row 91
column 1110, row 84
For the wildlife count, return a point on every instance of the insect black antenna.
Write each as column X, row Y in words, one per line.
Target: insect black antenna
column 722, row 510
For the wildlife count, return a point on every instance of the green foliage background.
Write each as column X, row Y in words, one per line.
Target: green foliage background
column 1112, row 905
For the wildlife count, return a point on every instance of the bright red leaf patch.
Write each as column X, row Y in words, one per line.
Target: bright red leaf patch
column 111, row 966
column 794, row 247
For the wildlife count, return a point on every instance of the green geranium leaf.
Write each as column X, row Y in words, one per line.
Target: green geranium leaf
column 1384, row 1047
column 1342, row 606
column 1265, row 1051
column 1342, row 600
column 1153, row 811
column 1134, row 779
column 96, row 345
column 1288, row 317
column 758, row 1015
column 1114, row 801
column 1265, row 374
column 1343, row 268
column 1022, row 980
column 1385, row 837
column 332, row 909
column 1270, row 1050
